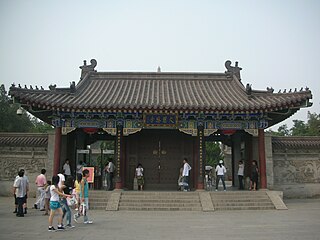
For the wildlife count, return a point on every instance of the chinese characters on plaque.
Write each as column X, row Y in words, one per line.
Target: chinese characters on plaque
column 160, row 120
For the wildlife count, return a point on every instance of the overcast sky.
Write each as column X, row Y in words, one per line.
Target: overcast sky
column 277, row 43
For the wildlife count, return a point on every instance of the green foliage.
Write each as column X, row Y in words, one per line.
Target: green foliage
column 300, row 128
column 213, row 153
column 11, row 122
column 103, row 159
column 313, row 124
column 107, row 145
column 282, row 131
column 40, row 126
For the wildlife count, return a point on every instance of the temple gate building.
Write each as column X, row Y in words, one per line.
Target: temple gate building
column 159, row 118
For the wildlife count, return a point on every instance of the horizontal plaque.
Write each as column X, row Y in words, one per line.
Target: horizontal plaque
column 160, row 120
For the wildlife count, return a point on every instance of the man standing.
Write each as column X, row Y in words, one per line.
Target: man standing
column 41, row 181
column 185, row 174
column 240, row 175
column 20, row 190
column 221, row 171
column 110, row 174
column 66, row 168
column 26, row 180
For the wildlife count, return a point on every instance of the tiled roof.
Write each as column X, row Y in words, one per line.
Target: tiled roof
column 213, row 92
column 296, row 142
column 23, row 139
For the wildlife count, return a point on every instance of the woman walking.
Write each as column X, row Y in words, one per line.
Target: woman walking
column 55, row 204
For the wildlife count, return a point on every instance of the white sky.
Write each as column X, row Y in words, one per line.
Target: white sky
column 276, row 42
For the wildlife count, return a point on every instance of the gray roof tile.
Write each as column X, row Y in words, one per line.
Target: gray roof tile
column 218, row 92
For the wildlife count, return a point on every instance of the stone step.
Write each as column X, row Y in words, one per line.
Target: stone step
column 179, row 201
column 160, row 204
column 98, row 204
column 161, row 194
column 97, row 207
column 239, row 193
column 245, row 208
column 160, row 200
column 217, row 205
column 129, row 208
column 152, row 198
column 240, row 200
column 98, row 198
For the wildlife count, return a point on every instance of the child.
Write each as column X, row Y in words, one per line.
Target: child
column 55, row 204
column 47, row 198
column 77, row 189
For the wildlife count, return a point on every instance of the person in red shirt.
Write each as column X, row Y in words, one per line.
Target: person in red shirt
column 41, row 181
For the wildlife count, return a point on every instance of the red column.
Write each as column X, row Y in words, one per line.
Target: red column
column 262, row 159
column 57, row 147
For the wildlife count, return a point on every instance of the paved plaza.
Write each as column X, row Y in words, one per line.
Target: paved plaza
column 301, row 221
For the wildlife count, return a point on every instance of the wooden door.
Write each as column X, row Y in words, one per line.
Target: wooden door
column 161, row 153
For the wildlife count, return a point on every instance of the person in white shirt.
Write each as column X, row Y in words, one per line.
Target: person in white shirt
column 20, row 190
column 62, row 179
column 55, row 205
column 110, row 174
column 240, row 174
column 66, row 168
column 79, row 167
column 185, row 174
column 139, row 176
column 220, row 170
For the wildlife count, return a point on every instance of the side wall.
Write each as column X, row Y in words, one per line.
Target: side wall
column 296, row 171
column 30, row 158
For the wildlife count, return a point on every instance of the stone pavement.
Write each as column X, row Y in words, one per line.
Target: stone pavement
column 300, row 221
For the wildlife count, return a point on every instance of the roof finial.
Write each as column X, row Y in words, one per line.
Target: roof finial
column 233, row 70
column 159, row 69
column 87, row 68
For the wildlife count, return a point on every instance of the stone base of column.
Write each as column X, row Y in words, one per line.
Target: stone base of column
column 200, row 184
column 118, row 185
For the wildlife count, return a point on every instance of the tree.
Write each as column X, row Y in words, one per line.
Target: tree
column 299, row 128
column 283, row 130
column 11, row 122
column 311, row 128
column 213, row 153
column 39, row 126
column 313, row 124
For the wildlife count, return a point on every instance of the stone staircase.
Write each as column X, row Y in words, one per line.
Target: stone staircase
column 242, row 200
column 185, row 201
column 160, row 201
column 98, row 200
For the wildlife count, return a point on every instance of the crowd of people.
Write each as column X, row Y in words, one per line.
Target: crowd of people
column 63, row 192
column 61, row 196
column 220, row 173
